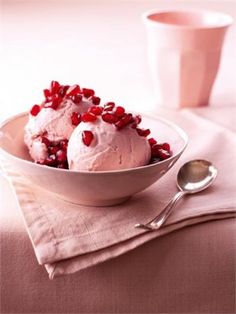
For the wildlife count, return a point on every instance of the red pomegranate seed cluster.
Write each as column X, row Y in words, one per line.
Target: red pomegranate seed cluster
column 57, row 93
column 109, row 113
column 160, row 151
column 57, row 153
column 117, row 116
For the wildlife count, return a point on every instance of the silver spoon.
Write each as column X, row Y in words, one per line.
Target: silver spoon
column 193, row 177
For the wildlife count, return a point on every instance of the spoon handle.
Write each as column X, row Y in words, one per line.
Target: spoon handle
column 159, row 220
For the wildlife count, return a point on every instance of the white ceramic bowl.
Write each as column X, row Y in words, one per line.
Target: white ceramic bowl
column 100, row 188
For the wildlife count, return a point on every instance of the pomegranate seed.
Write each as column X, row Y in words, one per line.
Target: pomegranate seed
column 158, row 151
column 120, row 125
column 89, row 117
column 47, row 93
column 97, row 110
column 143, row 132
column 50, row 161
column 63, row 144
column 55, row 86
column 54, row 102
column 134, row 126
column 73, row 90
column 76, row 98
column 109, row 117
column 87, row 137
column 119, row 112
column 87, row 92
column 95, row 100
column 63, row 89
column 166, row 146
column 61, row 156
column 137, row 119
column 53, row 150
column 35, row 110
column 163, row 154
column 75, row 118
column 46, row 141
column 128, row 118
column 155, row 150
column 109, row 106
column 152, row 141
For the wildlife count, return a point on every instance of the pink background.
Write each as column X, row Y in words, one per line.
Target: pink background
column 96, row 43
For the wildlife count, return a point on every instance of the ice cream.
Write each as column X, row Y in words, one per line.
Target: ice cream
column 69, row 129
column 109, row 149
column 54, row 120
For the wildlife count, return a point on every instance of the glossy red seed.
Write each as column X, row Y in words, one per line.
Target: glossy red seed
column 134, row 126
column 109, row 106
column 97, row 110
column 119, row 111
column 47, row 93
column 35, row 110
column 61, row 156
column 46, row 141
column 158, row 151
column 89, row 117
column 155, row 149
column 63, row 144
column 87, row 92
column 76, row 98
column 120, row 125
column 137, row 119
column 143, row 132
column 123, row 122
column 109, row 117
column 75, row 118
column 50, row 161
column 55, row 86
column 95, row 100
column 56, row 100
column 87, row 137
column 152, row 141
column 163, row 154
column 166, row 147
column 53, row 150
column 73, row 90
column 63, row 89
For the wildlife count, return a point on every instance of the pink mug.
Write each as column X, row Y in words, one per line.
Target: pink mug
column 184, row 50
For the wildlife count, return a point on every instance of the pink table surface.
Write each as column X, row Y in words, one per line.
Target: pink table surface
column 189, row 271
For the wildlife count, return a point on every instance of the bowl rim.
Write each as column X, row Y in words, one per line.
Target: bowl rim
column 147, row 20
column 171, row 124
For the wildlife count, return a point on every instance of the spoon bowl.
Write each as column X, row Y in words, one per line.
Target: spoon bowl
column 195, row 176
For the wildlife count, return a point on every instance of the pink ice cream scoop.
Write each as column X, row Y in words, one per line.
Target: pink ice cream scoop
column 50, row 125
column 70, row 130
column 100, row 146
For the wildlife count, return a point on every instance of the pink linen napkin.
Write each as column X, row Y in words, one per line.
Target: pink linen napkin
column 68, row 237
